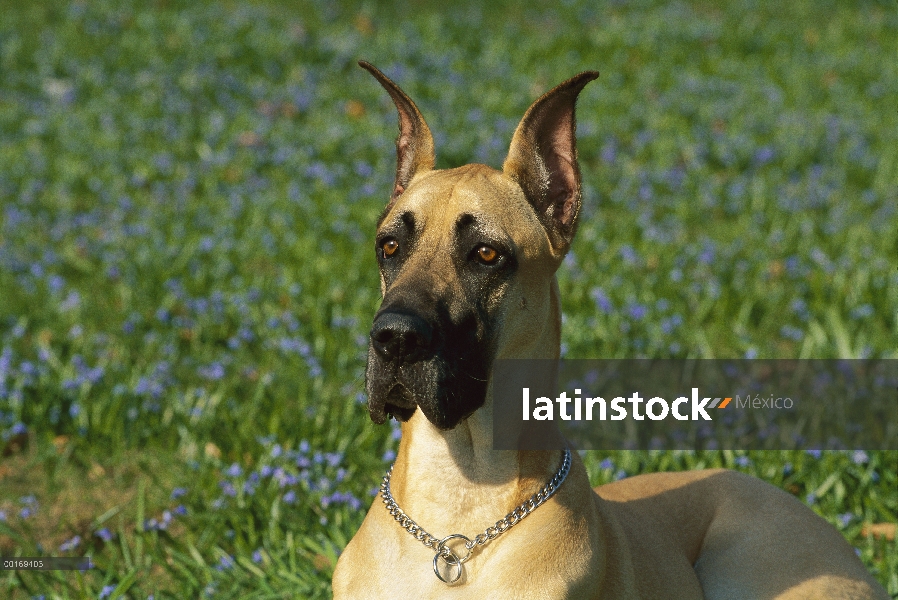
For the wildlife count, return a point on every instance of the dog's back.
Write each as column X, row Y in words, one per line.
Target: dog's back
column 744, row 537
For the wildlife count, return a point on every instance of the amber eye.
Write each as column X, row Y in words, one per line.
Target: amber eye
column 390, row 247
column 487, row 255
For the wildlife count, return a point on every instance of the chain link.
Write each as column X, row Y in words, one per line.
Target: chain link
column 491, row 533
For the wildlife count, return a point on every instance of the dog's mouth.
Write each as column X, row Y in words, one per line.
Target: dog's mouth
column 400, row 403
column 446, row 377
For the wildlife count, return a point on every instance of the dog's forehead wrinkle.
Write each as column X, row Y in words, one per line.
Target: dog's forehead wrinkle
column 465, row 219
column 405, row 220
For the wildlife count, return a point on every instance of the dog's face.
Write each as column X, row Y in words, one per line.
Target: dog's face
column 455, row 253
column 467, row 258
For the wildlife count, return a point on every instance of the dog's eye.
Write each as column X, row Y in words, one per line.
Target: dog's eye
column 390, row 247
column 486, row 255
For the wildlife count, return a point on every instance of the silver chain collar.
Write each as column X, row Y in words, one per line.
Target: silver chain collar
column 452, row 560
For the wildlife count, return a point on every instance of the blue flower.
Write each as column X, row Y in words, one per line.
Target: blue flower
column 629, row 254
column 353, row 502
column 178, row 492
column 706, row 256
column 104, row 534
column 106, row 591
column 637, row 311
column 862, row 312
column 792, row 333
column 609, row 152
column 389, row 456
column 606, row 464
column 601, row 300
column 859, row 457
column 814, row 453
column 70, row 544
column 257, row 556
column 764, row 155
column 213, row 372
column 799, row 307
column 668, row 325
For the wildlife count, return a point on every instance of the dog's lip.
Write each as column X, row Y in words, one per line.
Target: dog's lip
column 400, row 403
column 400, row 397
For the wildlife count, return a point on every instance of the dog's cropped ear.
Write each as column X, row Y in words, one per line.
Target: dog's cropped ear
column 414, row 146
column 542, row 159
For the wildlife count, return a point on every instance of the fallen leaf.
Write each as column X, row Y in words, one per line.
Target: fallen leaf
column 96, row 472
column 880, row 530
column 249, row 138
column 355, row 109
column 212, row 450
column 60, row 442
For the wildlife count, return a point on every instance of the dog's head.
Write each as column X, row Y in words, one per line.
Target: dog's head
column 467, row 260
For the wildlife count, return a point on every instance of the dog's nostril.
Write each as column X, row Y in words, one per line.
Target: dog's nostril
column 400, row 336
column 384, row 336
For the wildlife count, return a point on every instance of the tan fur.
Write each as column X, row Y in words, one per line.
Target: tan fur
column 713, row 534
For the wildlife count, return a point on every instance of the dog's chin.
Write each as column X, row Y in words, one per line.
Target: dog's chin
column 400, row 403
column 439, row 415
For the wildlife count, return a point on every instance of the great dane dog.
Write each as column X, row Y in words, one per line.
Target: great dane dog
column 467, row 263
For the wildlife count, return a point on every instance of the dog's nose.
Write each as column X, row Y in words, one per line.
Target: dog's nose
column 399, row 336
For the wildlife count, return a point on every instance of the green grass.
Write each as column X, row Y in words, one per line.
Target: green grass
column 187, row 276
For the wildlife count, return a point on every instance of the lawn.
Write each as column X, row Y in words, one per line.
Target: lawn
column 188, row 195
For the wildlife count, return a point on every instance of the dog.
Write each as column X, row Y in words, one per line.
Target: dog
column 467, row 262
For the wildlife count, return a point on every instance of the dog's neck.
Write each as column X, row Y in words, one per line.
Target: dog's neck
column 454, row 481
